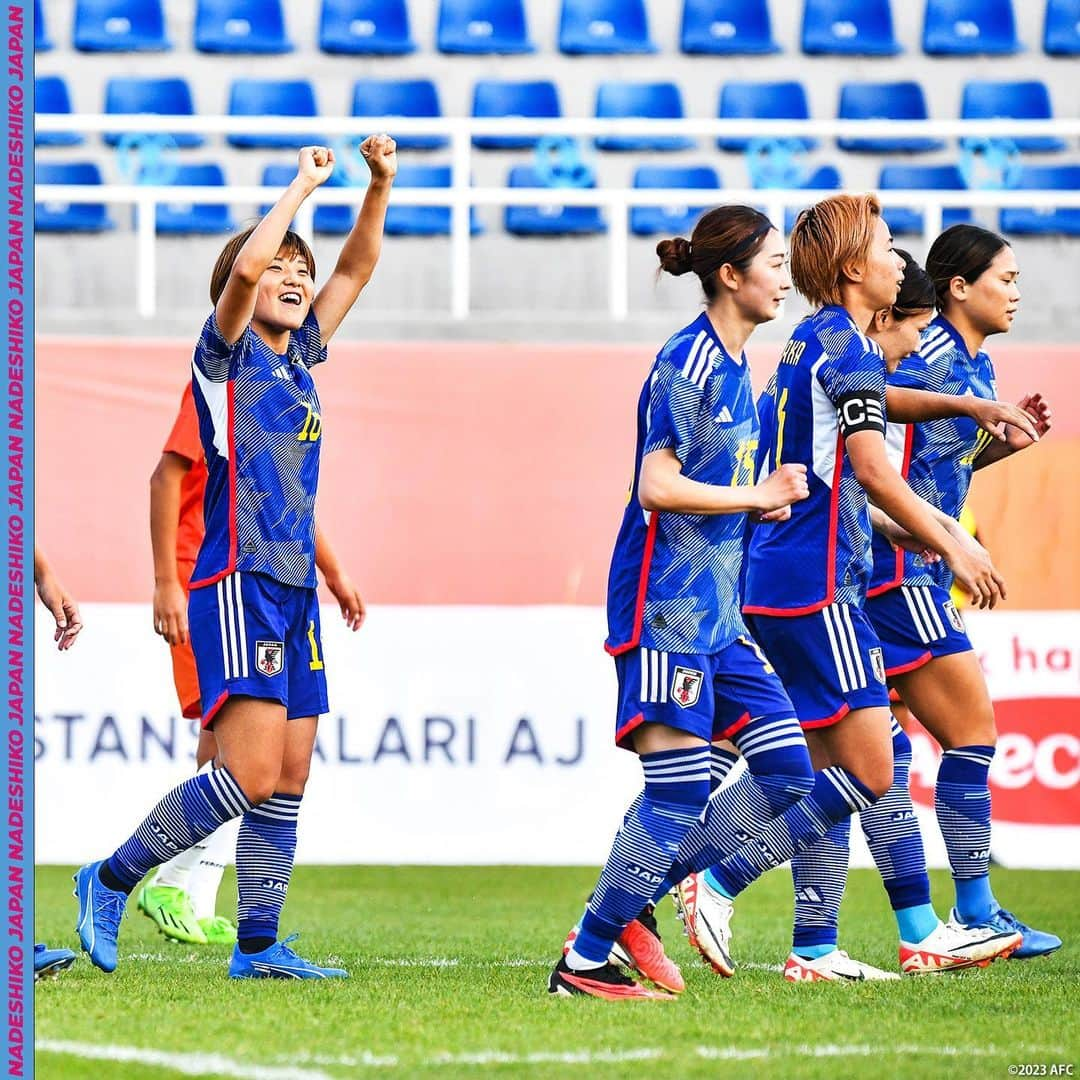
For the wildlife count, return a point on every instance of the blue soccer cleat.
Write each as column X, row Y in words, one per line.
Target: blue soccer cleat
column 1035, row 943
column 279, row 962
column 49, row 962
column 100, row 912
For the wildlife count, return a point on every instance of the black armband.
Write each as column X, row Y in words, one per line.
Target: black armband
column 864, row 411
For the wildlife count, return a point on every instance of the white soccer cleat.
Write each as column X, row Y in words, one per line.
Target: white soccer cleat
column 835, row 966
column 952, row 946
column 706, row 917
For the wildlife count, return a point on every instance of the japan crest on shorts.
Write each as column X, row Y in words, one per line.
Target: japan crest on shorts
column 269, row 657
column 686, row 686
column 954, row 616
column 877, row 661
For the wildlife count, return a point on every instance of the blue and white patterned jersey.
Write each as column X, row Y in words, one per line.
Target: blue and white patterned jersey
column 830, row 383
column 261, row 429
column 674, row 579
column 936, row 457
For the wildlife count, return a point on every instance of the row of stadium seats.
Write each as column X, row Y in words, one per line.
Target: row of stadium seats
column 553, row 220
column 844, row 27
column 420, row 98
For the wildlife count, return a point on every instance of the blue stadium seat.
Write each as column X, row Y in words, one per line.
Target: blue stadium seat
column 660, row 100
column 884, row 101
column 670, row 220
column 823, row 178
column 492, row 97
column 762, row 101
column 42, row 41
column 849, row 28
column 483, row 26
column 51, row 96
column 1020, row 100
column 904, row 219
column 336, row 220
column 727, row 27
column 365, row 27
column 549, row 220
column 184, row 218
column 168, row 97
column 970, row 27
column 120, row 26
column 424, row 220
column 400, row 97
column 241, row 26
column 604, row 26
column 1061, row 30
column 272, row 97
column 1033, row 220
column 69, row 217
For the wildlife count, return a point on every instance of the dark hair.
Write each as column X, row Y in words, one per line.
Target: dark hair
column 917, row 291
column 727, row 234
column 961, row 251
column 291, row 244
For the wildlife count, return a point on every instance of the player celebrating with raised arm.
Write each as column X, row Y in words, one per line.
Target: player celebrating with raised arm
column 687, row 668
column 253, row 612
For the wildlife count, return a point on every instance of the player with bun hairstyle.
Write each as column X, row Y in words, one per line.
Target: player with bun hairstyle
column 688, row 671
column 253, row 611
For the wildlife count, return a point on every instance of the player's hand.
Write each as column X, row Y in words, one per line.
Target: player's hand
column 977, row 575
column 170, row 612
column 993, row 416
column 349, row 600
column 380, row 153
column 782, row 488
column 902, row 540
column 315, row 165
column 1041, row 417
column 63, row 608
column 783, row 514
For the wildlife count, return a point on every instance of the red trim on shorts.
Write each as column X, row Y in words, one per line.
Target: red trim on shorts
column 627, row 728
column 213, row 710
column 735, row 728
column 643, row 583
column 836, row 717
column 902, row 669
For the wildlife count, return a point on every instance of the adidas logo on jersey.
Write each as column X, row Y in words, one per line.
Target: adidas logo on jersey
column 281, row 373
column 724, row 416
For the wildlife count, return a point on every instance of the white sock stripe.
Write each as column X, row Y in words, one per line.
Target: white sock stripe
column 839, row 779
column 675, row 769
column 663, row 677
column 854, row 643
column 229, row 795
column 916, row 616
column 840, row 670
column 896, row 729
column 755, row 738
column 779, row 744
column 677, row 763
column 241, row 626
column 224, row 629
column 969, row 755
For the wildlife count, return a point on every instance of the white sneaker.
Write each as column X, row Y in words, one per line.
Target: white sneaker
column 953, row 946
column 706, row 917
column 835, row 966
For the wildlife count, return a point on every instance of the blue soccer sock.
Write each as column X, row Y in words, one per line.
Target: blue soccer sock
column 895, row 841
column 265, row 849
column 837, row 795
column 187, row 814
column 721, row 762
column 676, row 790
column 819, row 874
column 962, row 803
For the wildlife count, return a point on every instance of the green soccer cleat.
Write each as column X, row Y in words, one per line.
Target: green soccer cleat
column 171, row 911
column 218, row 930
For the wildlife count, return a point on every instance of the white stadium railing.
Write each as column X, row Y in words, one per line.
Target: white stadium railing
column 461, row 196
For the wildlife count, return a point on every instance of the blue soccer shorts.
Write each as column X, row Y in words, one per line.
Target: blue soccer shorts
column 710, row 695
column 915, row 624
column 255, row 637
column 831, row 661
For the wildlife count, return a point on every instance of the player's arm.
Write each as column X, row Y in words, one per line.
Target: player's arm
column 1015, row 438
column 338, row 582
column 170, row 602
column 358, row 257
column 901, row 538
column 662, row 486
column 909, row 406
column 58, row 600
column 236, row 304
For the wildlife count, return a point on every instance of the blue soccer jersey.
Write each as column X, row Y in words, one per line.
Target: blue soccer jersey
column 936, row 457
column 261, row 430
column 674, row 579
column 830, row 384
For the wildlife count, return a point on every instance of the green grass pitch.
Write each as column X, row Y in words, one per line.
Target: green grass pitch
column 448, row 979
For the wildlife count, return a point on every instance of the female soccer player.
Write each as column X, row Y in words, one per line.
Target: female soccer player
column 807, row 577
column 182, row 896
column 688, row 670
column 253, row 612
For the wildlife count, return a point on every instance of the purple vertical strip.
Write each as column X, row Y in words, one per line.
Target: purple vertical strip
column 17, row 869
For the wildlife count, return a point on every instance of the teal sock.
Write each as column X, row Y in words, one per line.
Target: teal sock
column 916, row 923
column 714, row 884
column 974, row 901
column 812, row 952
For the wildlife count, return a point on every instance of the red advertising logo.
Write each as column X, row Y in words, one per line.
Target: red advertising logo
column 1035, row 777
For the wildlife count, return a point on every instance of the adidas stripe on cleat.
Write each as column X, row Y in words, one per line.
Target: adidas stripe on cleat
column 836, row 966
column 608, row 981
column 706, row 918
column 640, row 948
column 170, row 910
column 952, row 946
